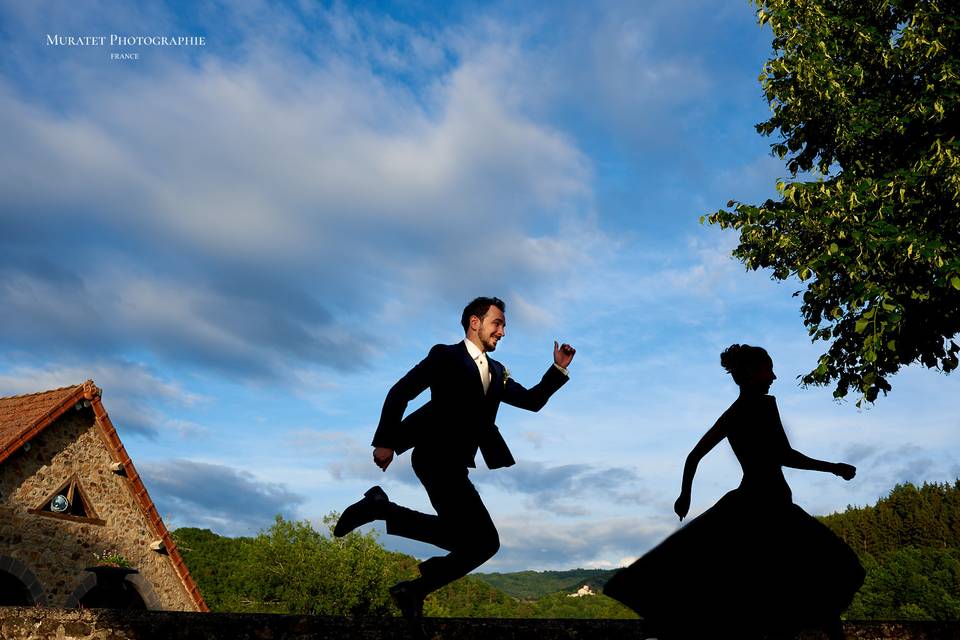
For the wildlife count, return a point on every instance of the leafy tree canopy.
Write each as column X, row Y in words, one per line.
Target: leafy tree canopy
column 864, row 101
column 293, row 568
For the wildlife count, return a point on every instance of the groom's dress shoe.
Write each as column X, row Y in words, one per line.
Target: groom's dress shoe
column 408, row 599
column 373, row 506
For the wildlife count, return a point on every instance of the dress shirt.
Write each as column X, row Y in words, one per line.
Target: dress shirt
column 481, row 359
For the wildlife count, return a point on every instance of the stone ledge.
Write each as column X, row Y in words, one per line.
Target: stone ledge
column 38, row 623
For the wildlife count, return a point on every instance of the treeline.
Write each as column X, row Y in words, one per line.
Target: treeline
column 292, row 568
column 909, row 543
column 907, row 517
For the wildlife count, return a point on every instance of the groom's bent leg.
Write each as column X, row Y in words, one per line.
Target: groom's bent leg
column 464, row 526
column 415, row 525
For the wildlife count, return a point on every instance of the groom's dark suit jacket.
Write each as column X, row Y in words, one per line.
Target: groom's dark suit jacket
column 459, row 418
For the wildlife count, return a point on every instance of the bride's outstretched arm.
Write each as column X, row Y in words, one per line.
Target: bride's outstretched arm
column 793, row 458
column 797, row 460
column 710, row 439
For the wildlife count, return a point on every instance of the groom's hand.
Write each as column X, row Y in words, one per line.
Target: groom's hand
column 382, row 457
column 563, row 354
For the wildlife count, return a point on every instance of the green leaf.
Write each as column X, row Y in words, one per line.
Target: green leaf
column 955, row 281
column 861, row 325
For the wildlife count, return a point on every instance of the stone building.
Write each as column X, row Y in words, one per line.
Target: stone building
column 68, row 491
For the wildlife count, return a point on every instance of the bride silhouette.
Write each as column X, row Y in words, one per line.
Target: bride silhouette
column 754, row 564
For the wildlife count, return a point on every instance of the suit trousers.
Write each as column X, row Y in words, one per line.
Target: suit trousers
column 462, row 525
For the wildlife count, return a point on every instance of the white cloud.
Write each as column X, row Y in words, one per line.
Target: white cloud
column 551, row 545
column 137, row 398
column 227, row 500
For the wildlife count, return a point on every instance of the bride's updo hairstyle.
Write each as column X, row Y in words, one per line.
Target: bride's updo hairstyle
column 741, row 360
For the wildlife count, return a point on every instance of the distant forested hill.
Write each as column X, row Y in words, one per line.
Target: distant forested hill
column 536, row 584
column 909, row 543
column 928, row 516
column 472, row 596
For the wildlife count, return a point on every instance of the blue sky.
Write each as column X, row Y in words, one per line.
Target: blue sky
column 246, row 243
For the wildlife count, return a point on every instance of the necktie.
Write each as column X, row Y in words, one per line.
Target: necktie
column 484, row 372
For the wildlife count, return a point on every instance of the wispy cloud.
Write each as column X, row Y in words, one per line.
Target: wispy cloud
column 140, row 401
column 227, row 500
column 569, row 489
column 601, row 543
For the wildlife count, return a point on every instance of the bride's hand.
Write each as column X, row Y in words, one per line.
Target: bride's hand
column 682, row 505
column 845, row 471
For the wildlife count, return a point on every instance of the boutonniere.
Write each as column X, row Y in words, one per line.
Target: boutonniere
column 506, row 376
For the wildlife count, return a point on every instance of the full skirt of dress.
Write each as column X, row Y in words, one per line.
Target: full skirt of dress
column 746, row 564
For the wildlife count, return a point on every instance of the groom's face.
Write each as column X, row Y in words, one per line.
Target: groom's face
column 491, row 328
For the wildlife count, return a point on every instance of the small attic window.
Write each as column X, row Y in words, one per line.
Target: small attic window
column 69, row 502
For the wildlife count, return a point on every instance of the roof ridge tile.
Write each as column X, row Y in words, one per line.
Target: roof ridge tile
column 40, row 393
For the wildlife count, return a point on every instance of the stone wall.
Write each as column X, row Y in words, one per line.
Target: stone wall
column 112, row 624
column 53, row 552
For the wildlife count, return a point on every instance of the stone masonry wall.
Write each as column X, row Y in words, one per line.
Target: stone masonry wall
column 113, row 624
column 56, row 551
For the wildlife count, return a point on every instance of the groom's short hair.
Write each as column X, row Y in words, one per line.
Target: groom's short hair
column 479, row 307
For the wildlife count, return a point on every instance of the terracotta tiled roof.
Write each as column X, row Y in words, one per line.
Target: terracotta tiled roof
column 23, row 417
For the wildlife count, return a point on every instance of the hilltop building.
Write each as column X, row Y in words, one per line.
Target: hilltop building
column 68, row 491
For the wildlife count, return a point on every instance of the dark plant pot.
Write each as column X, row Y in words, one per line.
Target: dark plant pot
column 112, row 590
column 108, row 574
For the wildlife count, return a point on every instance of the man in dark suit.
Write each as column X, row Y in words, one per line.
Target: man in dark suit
column 466, row 389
